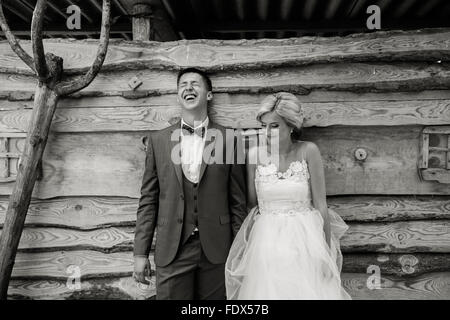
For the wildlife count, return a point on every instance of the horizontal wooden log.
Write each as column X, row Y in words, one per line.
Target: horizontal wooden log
column 124, row 288
column 402, row 236
column 394, row 237
column 218, row 55
column 79, row 213
column 59, row 265
column 236, row 114
column 432, row 286
column 234, row 99
column 390, row 208
column 111, row 164
column 53, row 239
column 356, row 77
column 397, row 264
column 89, row 213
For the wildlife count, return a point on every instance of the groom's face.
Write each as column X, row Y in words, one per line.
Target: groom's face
column 193, row 92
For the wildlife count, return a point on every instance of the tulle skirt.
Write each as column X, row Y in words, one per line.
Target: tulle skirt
column 284, row 257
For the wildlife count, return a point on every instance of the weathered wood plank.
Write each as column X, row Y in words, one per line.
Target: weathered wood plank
column 359, row 77
column 421, row 45
column 394, row 237
column 88, row 213
column 111, row 164
column 155, row 117
column 397, row 264
column 433, row 286
column 91, row 264
column 55, row 239
column 402, row 236
column 95, row 289
column 390, row 208
column 224, row 98
column 79, row 213
column 390, row 166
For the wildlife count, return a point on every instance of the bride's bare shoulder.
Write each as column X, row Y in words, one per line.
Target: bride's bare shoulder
column 306, row 149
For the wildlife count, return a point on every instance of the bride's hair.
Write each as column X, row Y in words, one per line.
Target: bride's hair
column 287, row 106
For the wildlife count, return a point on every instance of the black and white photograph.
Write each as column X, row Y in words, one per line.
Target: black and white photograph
column 227, row 150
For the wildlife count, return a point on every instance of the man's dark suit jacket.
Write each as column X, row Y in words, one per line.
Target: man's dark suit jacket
column 221, row 198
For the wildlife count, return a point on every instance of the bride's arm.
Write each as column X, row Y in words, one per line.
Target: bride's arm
column 251, row 168
column 318, row 189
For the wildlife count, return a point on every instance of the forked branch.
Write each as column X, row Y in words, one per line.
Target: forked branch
column 66, row 88
column 36, row 40
column 13, row 41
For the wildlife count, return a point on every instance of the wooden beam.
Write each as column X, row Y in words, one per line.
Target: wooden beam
column 425, row 45
column 332, row 8
column 116, row 288
column 427, row 7
column 142, row 30
column 331, row 25
column 263, row 9
column 286, row 7
column 90, row 212
column 308, row 10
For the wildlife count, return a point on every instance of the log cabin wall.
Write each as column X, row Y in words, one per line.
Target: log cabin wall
column 377, row 105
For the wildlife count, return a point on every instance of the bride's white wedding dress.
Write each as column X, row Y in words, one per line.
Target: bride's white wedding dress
column 280, row 252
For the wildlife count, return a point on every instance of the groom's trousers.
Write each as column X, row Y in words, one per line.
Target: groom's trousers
column 191, row 276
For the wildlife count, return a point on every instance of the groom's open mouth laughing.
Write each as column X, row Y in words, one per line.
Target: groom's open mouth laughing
column 189, row 96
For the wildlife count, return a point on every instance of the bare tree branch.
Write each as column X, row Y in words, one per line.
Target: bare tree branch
column 13, row 41
column 36, row 40
column 78, row 84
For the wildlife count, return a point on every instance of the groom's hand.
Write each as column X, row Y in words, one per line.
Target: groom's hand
column 142, row 269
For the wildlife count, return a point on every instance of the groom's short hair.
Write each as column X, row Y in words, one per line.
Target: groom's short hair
column 198, row 71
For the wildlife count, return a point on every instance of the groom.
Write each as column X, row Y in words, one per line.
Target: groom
column 196, row 205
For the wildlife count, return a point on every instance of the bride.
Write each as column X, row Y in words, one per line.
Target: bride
column 288, row 246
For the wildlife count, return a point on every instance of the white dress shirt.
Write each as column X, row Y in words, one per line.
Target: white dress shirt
column 192, row 146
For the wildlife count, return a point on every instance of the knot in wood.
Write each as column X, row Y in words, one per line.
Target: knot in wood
column 34, row 140
column 55, row 68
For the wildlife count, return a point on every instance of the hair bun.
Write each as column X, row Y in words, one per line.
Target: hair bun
column 286, row 105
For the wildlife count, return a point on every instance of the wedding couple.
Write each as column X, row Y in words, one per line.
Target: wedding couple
column 208, row 244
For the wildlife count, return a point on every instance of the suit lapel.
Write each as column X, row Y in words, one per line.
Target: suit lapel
column 209, row 148
column 176, row 143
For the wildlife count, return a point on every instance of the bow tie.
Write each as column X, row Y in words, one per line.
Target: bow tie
column 199, row 131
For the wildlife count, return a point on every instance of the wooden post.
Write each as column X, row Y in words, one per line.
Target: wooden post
column 142, row 30
column 48, row 69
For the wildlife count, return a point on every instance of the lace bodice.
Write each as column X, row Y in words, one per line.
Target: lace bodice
column 283, row 192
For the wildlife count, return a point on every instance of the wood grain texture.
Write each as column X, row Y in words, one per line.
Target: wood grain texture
column 89, row 213
column 238, row 114
column 55, row 265
column 111, row 164
column 402, row 236
column 218, row 55
column 78, row 213
column 393, row 237
column 405, row 265
column 122, row 288
column 390, row 208
column 54, row 239
column 433, row 286
column 355, row 77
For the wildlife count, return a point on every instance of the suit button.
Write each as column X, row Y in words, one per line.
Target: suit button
column 180, row 220
column 195, row 185
column 182, row 196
